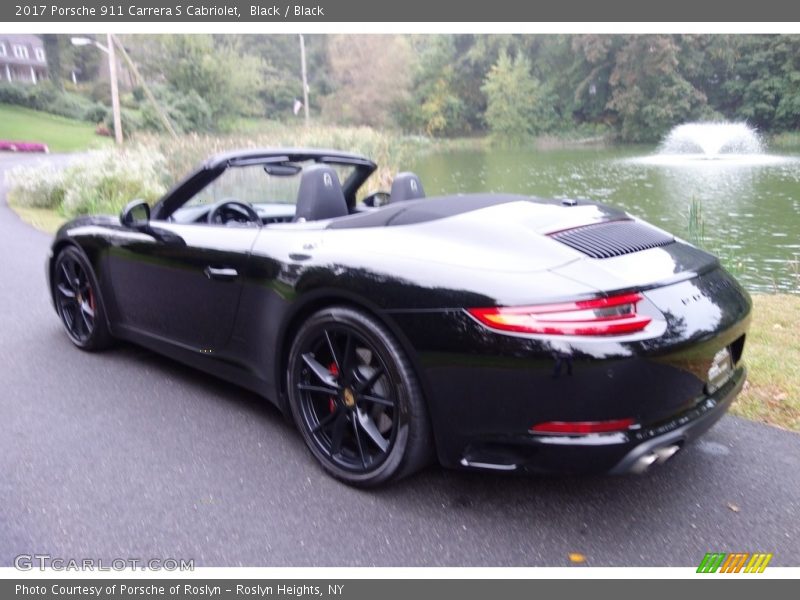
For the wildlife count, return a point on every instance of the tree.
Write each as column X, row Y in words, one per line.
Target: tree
column 52, row 51
column 281, row 74
column 434, row 106
column 764, row 86
column 224, row 76
column 649, row 92
column 518, row 106
column 371, row 79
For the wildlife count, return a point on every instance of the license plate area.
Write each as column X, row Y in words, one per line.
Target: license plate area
column 720, row 371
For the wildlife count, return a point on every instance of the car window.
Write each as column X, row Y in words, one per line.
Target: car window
column 253, row 184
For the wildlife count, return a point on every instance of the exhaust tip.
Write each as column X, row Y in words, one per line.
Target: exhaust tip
column 665, row 453
column 643, row 463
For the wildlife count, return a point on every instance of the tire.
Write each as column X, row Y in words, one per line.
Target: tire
column 78, row 301
column 356, row 400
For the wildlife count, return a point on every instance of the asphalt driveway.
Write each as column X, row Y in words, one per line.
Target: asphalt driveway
column 129, row 455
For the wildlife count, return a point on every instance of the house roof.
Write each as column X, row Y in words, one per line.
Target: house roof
column 31, row 42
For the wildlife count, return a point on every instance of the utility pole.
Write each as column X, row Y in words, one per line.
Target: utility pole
column 162, row 114
column 112, row 71
column 305, row 76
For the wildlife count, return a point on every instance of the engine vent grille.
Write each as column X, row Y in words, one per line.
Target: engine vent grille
column 612, row 238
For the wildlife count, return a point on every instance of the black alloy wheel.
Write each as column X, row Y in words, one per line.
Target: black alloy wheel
column 356, row 399
column 78, row 302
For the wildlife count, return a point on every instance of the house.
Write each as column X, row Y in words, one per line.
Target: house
column 22, row 58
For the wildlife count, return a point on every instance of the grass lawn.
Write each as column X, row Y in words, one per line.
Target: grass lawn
column 772, row 351
column 59, row 133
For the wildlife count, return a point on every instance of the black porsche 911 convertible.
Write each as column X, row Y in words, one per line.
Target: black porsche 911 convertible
column 490, row 331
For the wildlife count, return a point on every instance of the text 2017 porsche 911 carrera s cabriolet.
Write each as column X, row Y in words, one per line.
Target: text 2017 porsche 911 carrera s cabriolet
column 490, row 331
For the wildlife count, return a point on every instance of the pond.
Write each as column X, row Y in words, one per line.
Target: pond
column 750, row 207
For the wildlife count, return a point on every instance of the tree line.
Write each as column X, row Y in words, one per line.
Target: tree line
column 514, row 87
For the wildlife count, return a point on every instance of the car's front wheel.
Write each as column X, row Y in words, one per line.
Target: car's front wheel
column 78, row 301
column 356, row 399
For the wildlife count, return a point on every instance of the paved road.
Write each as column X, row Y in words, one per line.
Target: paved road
column 126, row 454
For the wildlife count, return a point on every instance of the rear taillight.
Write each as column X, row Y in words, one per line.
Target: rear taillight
column 614, row 315
column 582, row 427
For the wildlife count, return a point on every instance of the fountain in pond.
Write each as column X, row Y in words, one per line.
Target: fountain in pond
column 721, row 143
column 712, row 140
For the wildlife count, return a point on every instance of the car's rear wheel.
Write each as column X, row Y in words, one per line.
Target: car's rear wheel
column 356, row 399
column 78, row 301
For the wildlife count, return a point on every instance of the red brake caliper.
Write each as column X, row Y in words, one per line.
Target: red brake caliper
column 334, row 370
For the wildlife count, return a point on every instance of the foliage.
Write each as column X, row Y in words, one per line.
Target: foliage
column 105, row 181
column 518, row 105
column 765, row 82
column 102, row 182
column 637, row 86
column 186, row 111
column 45, row 97
column 372, row 78
column 96, row 113
column 390, row 151
column 130, row 120
column 40, row 186
column 434, row 107
column 648, row 91
column 215, row 69
column 52, row 51
column 281, row 74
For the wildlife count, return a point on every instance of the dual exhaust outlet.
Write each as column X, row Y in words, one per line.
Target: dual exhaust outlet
column 657, row 456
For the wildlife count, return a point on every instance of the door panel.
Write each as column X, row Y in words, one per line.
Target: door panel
column 181, row 282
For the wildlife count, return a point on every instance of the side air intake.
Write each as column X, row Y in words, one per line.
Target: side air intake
column 612, row 238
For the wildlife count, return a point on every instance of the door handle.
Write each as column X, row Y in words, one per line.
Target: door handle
column 221, row 273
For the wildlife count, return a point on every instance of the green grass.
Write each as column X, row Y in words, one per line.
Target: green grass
column 772, row 354
column 59, row 133
column 43, row 219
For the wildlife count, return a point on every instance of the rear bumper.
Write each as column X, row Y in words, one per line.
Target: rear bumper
column 631, row 451
column 681, row 430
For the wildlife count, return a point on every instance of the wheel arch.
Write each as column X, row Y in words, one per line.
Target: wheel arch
column 58, row 247
column 327, row 298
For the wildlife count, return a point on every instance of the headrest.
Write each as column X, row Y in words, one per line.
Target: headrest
column 320, row 195
column 406, row 186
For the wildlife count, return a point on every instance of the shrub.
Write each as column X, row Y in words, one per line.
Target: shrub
column 103, row 182
column 35, row 187
column 68, row 105
column 97, row 113
column 518, row 105
column 46, row 97
column 12, row 93
column 106, row 181
column 131, row 121
column 188, row 112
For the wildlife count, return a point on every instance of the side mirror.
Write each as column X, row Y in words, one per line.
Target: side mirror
column 135, row 214
column 377, row 199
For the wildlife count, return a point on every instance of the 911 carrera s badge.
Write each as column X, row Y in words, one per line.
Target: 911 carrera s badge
column 349, row 398
column 720, row 370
